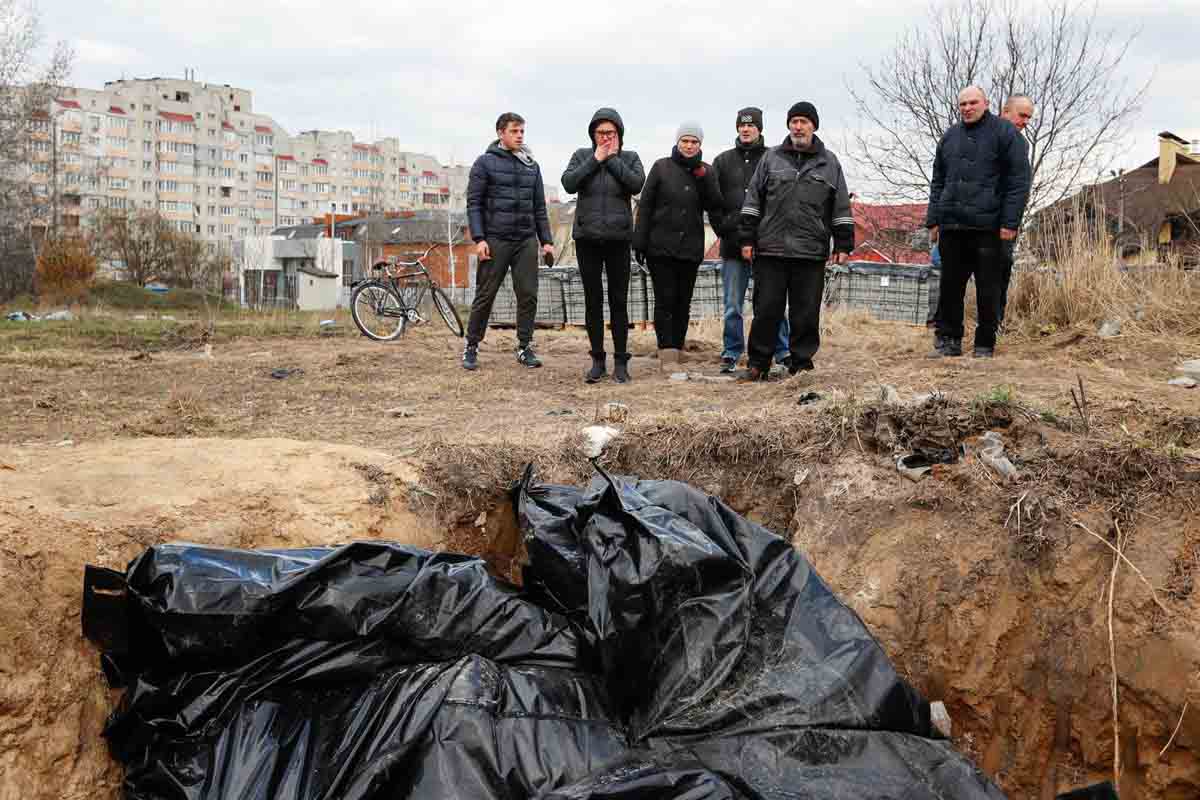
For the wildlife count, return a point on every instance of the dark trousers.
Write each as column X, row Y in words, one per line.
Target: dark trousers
column 522, row 257
column 797, row 284
column 1007, row 254
column 674, row 281
column 967, row 253
column 597, row 259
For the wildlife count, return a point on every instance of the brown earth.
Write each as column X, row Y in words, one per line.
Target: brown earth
column 1007, row 625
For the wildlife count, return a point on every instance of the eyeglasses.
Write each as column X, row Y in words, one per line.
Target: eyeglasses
column 606, row 133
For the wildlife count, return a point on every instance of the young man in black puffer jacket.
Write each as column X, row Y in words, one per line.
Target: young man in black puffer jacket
column 976, row 201
column 605, row 176
column 506, row 212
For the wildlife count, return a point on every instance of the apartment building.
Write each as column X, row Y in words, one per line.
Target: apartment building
column 200, row 155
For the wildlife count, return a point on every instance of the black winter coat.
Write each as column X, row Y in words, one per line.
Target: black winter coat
column 980, row 177
column 670, row 219
column 734, row 168
column 603, row 211
column 506, row 199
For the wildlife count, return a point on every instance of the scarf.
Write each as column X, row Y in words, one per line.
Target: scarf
column 757, row 144
column 693, row 165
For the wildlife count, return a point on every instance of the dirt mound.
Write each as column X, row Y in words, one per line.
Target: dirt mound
column 63, row 507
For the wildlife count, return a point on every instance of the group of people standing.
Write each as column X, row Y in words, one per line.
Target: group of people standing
column 782, row 213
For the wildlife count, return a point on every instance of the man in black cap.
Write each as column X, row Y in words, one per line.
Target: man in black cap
column 733, row 169
column 797, row 199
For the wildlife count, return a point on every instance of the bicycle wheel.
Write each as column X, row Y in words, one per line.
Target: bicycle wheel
column 447, row 310
column 377, row 311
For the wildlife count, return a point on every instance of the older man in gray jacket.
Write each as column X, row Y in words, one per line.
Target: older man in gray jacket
column 796, row 200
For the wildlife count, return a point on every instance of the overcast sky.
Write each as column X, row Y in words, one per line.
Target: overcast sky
column 436, row 74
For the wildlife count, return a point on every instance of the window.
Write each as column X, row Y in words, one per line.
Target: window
column 147, row 165
column 244, row 158
column 212, row 172
column 41, row 168
column 118, row 123
column 228, row 155
column 244, row 177
column 244, row 213
column 303, row 170
column 212, row 210
column 212, row 230
column 118, row 183
column 304, row 188
column 147, row 125
column 227, row 172
column 147, row 146
column 119, row 202
column 71, row 137
column 265, row 139
column 227, row 228
column 226, row 191
column 243, row 196
column 168, row 167
column 212, row 132
column 41, row 126
column 322, row 169
column 41, row 146
column 263, row 177
column 93, row 122
column 226, row 211
column 168, row 186
column 289, row 186
column 93, row 202
column 70, row 158
column 261, row 195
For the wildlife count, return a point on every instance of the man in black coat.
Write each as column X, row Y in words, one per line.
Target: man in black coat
column 734, row 168
column 506, row 212
column 976, row 200
column 605, row 177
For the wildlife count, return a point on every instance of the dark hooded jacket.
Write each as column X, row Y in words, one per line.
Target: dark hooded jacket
column 505, row 197
column 980, row 177
column 734, row 168
column 603, row 211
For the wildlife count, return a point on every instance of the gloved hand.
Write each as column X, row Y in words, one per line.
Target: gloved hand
column 639, row 257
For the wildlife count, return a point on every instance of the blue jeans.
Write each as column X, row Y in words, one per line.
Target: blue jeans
column 735, row 276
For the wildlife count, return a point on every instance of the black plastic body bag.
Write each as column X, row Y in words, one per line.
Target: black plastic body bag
column 662, row 647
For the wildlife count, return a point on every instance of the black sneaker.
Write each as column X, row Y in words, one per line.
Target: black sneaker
column 470, row 357
column 526, row 356
column 985, row 352
column 728, row 365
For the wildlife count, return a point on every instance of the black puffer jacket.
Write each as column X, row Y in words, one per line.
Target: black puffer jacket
column 980, row 177
column 734, row 168
column 603, row 211
column 670, row 219
column 506, row 199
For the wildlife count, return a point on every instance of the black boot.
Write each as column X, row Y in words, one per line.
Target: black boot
column 621, row 368
column 953, row 347
column 599, row 368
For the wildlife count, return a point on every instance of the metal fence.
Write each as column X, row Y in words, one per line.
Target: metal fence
column 896, row 292
column 268, row 289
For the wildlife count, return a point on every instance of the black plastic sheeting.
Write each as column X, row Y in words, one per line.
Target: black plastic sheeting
column 662, row 647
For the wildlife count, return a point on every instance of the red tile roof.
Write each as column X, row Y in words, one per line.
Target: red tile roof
column 171, row 115
column 403, row 171
column 361, row 147
column 262, row 129
column 320, row 161
column 429, row 173
column 286, row 158
column 68, row 103
column 226, row 126
column 116, row 110
column 876, row 228
column 445, row 190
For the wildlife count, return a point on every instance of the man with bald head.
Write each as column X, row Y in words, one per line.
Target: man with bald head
column 976, row 200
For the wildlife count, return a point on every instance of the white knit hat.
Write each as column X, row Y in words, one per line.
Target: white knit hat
column 690, row 129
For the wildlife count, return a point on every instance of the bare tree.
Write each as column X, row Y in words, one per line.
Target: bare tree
column 144, row 241
column 26, row 90
column 1058, row 54
column 194, row 265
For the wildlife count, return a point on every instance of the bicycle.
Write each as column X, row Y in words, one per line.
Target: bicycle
column 384, row 306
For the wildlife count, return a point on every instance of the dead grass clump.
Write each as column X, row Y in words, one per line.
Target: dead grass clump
column 1086, row 281
column 184, row 414
column 939, row 423
column 382, row 483
column 1121, row 475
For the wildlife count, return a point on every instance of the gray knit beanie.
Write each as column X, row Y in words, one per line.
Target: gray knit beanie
column 690, row 129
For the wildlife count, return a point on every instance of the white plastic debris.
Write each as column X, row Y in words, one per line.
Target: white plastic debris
column 991, row 452
column 59, row 316
column 1184, row 381
column 596, row 438
column 940, row 718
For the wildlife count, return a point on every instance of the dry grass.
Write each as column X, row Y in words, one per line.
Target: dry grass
column 1086, row 285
